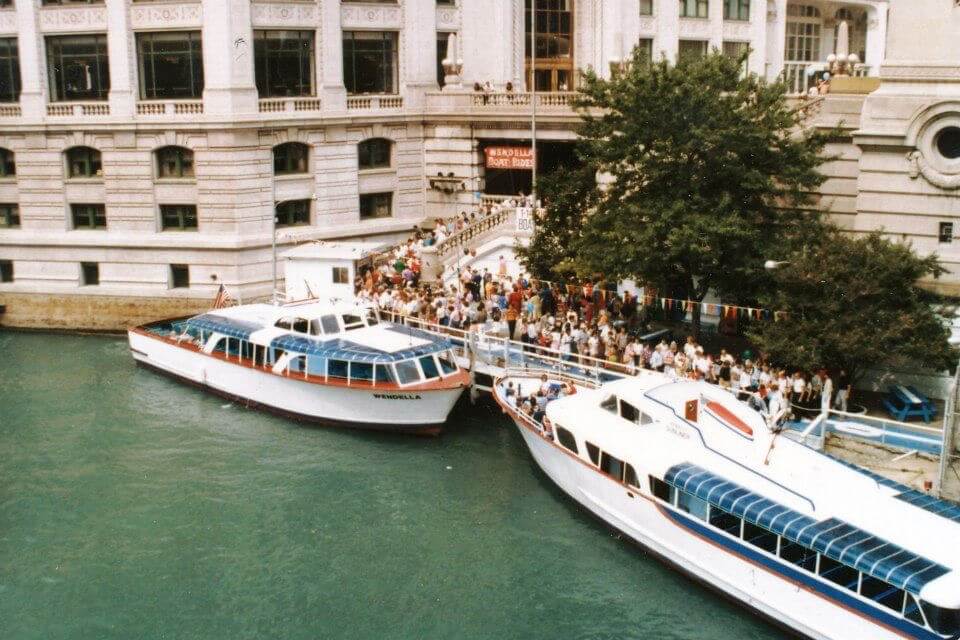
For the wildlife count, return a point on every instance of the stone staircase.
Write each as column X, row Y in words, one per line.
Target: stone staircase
column 496, row 230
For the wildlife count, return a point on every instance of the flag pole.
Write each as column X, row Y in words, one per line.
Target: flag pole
column 533, row 100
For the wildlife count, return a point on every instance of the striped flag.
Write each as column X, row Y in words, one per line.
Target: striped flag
column 222, row 299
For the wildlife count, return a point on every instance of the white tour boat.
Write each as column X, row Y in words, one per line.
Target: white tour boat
column 821, row 547
column 331, row 362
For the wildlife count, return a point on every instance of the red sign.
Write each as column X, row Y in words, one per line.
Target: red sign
column 509, row 158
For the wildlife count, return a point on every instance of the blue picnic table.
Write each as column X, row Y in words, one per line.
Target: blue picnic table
column 903, row 401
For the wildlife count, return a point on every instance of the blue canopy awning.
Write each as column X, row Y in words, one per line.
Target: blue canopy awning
column 227, row 326
column 339, row 349
column 833, row 538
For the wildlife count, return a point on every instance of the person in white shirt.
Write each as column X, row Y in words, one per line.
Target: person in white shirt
column 656, row 360
column 799, row 386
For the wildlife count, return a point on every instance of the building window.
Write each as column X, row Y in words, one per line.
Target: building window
column 803, row 34
column 6, row 270
column 174, row 162
column 9, row 70
column 171, row 65
column 370, row 61
column 554, row 44
column 946, row 232
column 736, row 9
column 948, row 142
column 9, row 216
column 374, row 153
column 88, row 216
column 56, row 2
column 341, row 275
column 89, row 274
column 646, row 7
column 293, row 213
column 645, row 47
column 376, row 205
column 694, row 8
column 179, row 276
column 290, row 157
column 8, row 167
column 83, row 162
column 178, row 217
column 692, row 49
column 443, row 39
column 284, row 63
column 78, row 67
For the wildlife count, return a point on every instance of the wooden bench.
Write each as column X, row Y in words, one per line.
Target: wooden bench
column 904, row 402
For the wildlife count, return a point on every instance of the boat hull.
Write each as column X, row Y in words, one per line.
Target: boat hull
column 420, row 412
column 691, row 546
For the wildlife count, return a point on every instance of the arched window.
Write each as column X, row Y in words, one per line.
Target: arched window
column 374, row 153
column 291, row 157
column 83, row 162
column 174, row 162
column 7, row 165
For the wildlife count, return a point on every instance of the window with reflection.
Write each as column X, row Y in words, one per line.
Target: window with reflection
column 178, row 217
column 694, row 8
column 88, row 216
column 8, row 166
column 9, row 216
column 83, row 162
column 290, row 157
column 284, row 63
column 554, row 44
column 293, row 213
column 376, row 205
column 174, row 162
column 374, row 153
column 171, row 64
column 736, row 9
column 9, row 70
column 370, row 61
column 78, row 67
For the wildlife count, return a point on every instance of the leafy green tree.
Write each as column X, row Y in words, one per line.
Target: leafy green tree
column 853, row 303
column 711, row 170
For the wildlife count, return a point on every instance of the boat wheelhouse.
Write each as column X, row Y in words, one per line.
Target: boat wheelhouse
column 817, row 545
column 331, row 362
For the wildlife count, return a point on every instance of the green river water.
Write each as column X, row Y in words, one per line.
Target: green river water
column 134, row 507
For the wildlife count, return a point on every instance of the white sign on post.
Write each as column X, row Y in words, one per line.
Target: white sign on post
column 525, row 223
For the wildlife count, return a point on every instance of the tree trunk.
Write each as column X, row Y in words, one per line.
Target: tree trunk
column 695, row 320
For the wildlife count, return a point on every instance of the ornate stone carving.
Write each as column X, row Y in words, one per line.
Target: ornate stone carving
column 277, row 14
column 366, row 16
column 448, row 18
column 72, row 19
column 918, row 166
column 8, row 21
column 166, row 15
column 694, row 27
column 648, row 25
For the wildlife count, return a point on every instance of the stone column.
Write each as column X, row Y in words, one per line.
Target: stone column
column 668, row 29
column 612, row 44
column 491, row 41
column 876, row 37
column 776, row 38
column 758, row 38
column 418, row 46
column 715, row 15
column 228, row 58
column 123, row 59
column 33, row 93
column 330, row 48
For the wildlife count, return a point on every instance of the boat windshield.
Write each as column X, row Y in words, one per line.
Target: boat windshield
column 448, row 364
column 372, row 318
column 351, row 321
column 408, row 372
column 329, row 324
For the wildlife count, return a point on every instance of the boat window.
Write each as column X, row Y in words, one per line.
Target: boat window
column 629, row 412
column 337, row 368
column 361, row 371
column 284, row 323
column 447, row 363
column 259, row 354
column 429, row 365
column 407, row 372
column 911, row 611
column 611, row 466
column 301, row 326
column 943, row 621
column 692, row 504
column 838, row 573
column 351, row 321
column 221, row 346
column 329, row 324
column 661, row 489
column 566, row 439
column 594, row 452
column 383, row 374
column 609, row 403
column 630, row 477
column 882, row 593
column 760, row 537
column 372, row 318
column 725, row 521
column 316, row 328
column 297, row 365
column 316, row 366
column 799, row 555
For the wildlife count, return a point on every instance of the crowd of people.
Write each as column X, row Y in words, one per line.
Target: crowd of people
column 587, row 324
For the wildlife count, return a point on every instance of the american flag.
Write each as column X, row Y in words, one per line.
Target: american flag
column 223, row 298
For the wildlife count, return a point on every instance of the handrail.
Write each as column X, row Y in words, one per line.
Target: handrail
column 459, row 238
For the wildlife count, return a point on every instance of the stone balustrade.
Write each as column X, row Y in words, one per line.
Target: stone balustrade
column 279, row 106
column 170, row 107
column 374, row 103
column 83, row 109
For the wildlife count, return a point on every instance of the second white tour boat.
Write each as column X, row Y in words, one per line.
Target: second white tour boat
column 825, row 549
column 329, row 362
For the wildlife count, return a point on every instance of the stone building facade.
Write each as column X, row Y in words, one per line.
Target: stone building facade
column 148, row 146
